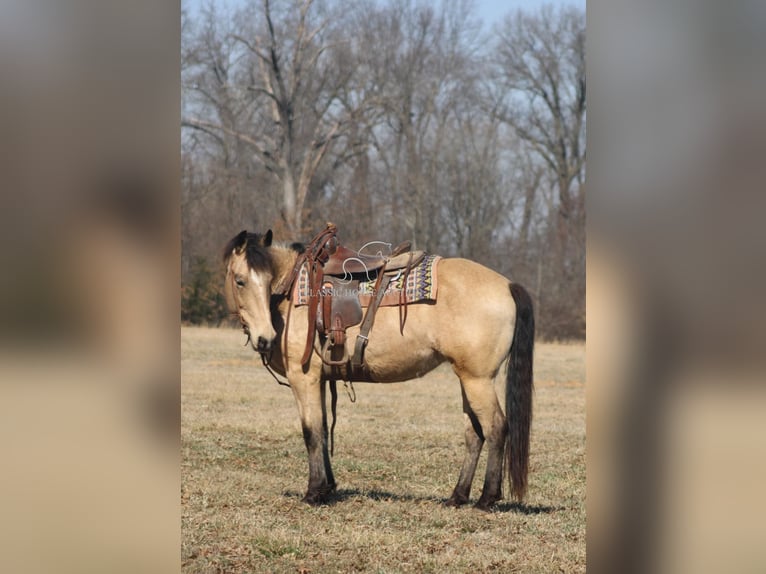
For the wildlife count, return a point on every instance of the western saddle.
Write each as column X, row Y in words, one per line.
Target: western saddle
column 334, row 274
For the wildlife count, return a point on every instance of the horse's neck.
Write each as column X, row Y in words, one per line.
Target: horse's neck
column 283, row 258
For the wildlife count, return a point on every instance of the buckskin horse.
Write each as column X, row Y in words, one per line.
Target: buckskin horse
column 478, row 321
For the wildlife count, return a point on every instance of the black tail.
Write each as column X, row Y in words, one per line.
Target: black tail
column 518, row 392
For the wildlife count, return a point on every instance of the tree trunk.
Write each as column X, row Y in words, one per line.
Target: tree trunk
column 291, row 214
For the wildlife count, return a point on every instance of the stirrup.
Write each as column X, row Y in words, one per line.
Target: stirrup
column 326, row 354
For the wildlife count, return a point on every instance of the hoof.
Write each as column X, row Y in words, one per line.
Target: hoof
column 319, row 496
column 315, row 499
column 456, row 501
column 485, row 505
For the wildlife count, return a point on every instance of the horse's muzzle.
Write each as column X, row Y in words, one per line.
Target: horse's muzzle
column 264, row 345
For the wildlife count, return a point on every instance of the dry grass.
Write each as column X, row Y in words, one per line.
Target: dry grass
column 398, row 452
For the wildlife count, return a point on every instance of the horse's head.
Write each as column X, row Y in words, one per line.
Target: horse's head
column 249, row 275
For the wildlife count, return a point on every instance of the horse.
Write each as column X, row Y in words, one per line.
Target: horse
column 479, row 321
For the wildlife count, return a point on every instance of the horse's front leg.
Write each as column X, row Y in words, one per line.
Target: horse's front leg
column 310, row 396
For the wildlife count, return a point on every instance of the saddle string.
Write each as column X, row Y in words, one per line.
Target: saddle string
column 333, row 411
column 352, row 392
column 379, row 252
column 334, row 408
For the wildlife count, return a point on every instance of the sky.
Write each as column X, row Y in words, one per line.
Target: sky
column 489, row 11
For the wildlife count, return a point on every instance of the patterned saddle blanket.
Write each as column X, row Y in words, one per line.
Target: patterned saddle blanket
column 422, row 285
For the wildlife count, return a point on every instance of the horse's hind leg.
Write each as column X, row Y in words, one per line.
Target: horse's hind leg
column 474, row 440
column 482, row 400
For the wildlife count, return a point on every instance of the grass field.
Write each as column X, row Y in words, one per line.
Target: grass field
column 397, row 455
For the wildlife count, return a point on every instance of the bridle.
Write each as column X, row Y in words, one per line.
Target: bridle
column 266, row 356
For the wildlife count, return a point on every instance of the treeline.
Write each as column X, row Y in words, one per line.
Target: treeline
column 397, row 120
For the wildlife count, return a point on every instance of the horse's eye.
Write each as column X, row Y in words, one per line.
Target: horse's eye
column 240, row 281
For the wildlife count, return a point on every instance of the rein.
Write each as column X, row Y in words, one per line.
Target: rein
column 266, row 363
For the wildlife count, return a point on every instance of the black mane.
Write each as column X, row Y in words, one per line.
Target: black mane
column 256, row 253
column 256, row 249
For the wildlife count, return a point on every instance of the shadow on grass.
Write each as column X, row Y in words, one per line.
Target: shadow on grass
column 349, row 493
column 526, row 508
column 345, row 494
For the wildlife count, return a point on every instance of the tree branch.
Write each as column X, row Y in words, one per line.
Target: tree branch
column 264, row 155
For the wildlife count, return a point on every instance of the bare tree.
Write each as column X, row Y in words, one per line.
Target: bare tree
column 541, row 94
column 539, row 90
column 285, row 94
column 477, row 198
column 418, row 69
column 219, row 170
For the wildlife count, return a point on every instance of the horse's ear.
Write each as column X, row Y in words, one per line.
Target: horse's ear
column 298, row 247
column 267, row 238
column 240, row 242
